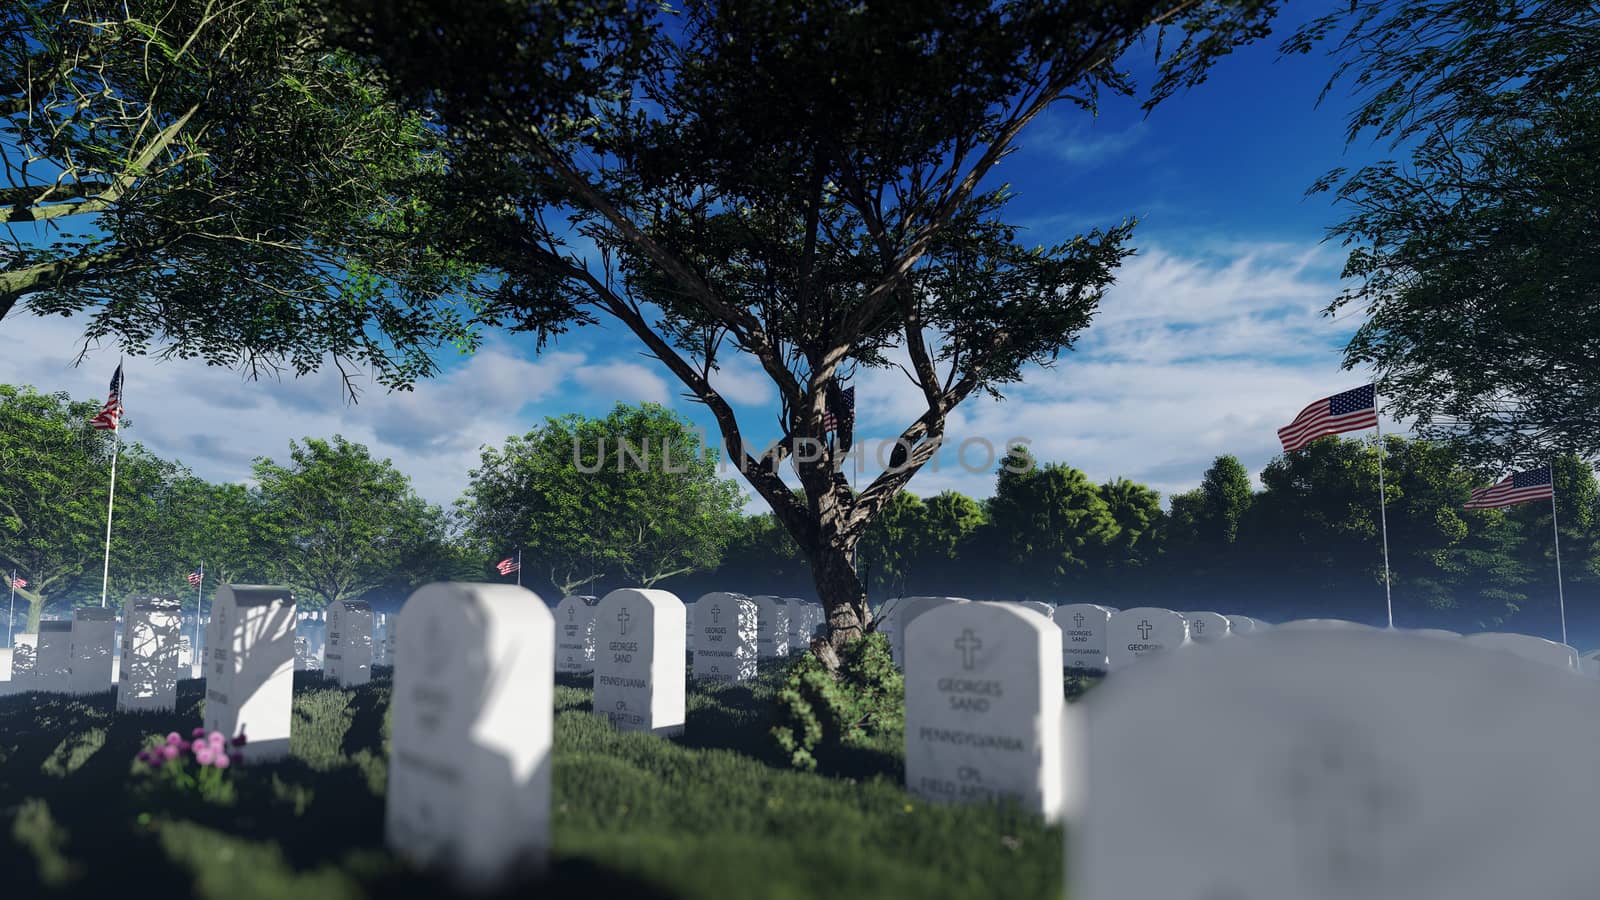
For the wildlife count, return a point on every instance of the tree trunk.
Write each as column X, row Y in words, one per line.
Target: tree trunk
column 842, row 594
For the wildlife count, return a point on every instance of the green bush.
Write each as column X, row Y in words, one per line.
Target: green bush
column 862, row 706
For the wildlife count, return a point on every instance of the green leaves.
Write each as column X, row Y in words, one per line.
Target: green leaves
column 627, row 497
column 342, row 522
column 1476, row 256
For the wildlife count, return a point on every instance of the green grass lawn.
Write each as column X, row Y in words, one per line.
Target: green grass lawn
column 711, row 814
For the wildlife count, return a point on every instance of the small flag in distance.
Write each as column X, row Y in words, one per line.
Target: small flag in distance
column 1351, row 410
column 111, row 412
column 1518, row 487
column 830, row 422
column 19, row 582
column 196, row 575
column 508, row 565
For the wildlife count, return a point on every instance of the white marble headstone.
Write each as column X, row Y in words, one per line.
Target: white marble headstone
column 24, row 661
column 575, row 633
column 1083, row 637
column 1043, row 609
column 301, row 646
column 249, row 667
column 984, row 707
column 52, row 668
column 348, row 659
column 1435, row 633
column 473, row 721
column 799, row 617
column 1241, row 625
column 150, row 667
column 1326, row 624
column 725, row 646
column 1342, row 765
column 94, row 637
column 772, row 630
column 1208, row 626
column 1134, row 634
column 907, row 610
column 639, row 678
column 1528, row 647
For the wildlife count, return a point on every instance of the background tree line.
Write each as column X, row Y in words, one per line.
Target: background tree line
column 630, row 499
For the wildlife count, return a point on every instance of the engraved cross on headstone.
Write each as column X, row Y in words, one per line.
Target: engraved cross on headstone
column 572, row 613
column 1077, row 619
column 1144, row 629
column 1199, row 626
column 969, row 645
column 716, row 613
column 622, row 621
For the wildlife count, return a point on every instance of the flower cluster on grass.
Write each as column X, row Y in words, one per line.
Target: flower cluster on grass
column 213, row 750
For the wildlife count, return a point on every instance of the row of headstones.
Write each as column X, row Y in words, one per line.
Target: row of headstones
column 241, row 660
column 726, row 632
column 473, row 716
column 1097, row 639
column 1340, row 760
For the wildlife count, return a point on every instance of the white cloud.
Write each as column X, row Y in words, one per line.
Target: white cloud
column 1193, row 355
column 627, row 382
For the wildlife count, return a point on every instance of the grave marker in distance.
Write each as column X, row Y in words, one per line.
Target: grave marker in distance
column 150, row 668
column 639, row 679
column 772, row 627
column 575, row 633
column 1208, row 626
column 1083, row 637
column 52, row 668
column 725, row 637
column 1134, row 634
column 349, row 656
column 94, row 636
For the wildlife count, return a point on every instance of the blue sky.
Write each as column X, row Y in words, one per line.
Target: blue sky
column 1211, row 339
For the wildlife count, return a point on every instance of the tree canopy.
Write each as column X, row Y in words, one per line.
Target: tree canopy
column 209, row 178
column 804, row 185
column 629, row 496
column 1476, row 255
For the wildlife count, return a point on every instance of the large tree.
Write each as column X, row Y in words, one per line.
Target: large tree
column 55, row 471
column 811, row 186
column 339, row 521
column 205, row 175
column 1476, row 253
column 629, row 496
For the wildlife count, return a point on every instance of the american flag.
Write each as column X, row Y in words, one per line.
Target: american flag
column 19, row 582
column 196, row 575
column 1518, row 487
column 112, row 411
column 508, row 565
column 830, row 422
column 1349, row 411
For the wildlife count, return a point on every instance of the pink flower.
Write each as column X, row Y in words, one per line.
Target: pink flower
column 198, row 732
column 156, row 759
column 174, row 738
column 221, row 761
column 169, row 752
column 239, row 741
column 202, row 755
column 215, row 739
column 144, row 756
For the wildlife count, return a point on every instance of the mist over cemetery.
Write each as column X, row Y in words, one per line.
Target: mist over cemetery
column 646, row 647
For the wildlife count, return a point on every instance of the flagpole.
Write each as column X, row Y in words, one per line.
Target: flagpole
column 199, row 598
column 519, row 567
column 1561, row 596
column 11, row 619
column 1383, row 513
column 111, row 496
